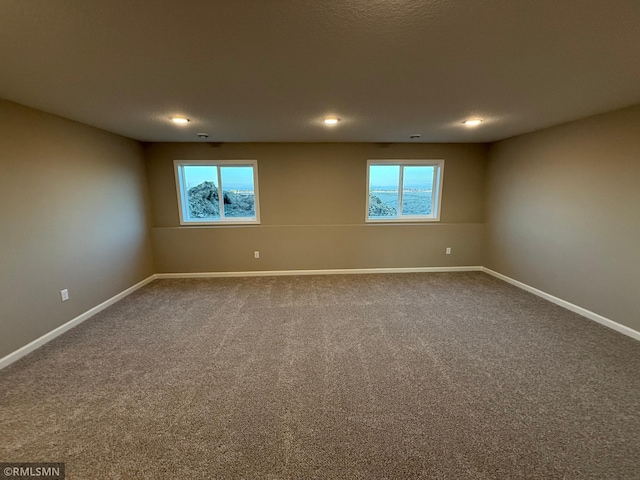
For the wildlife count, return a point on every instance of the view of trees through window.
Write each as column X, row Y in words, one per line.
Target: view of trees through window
column 402, row 190
column 225, row 191
column 217, row 192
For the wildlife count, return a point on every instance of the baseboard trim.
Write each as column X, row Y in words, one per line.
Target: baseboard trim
column 47, row 337
column 337, row 271
column 630, row 332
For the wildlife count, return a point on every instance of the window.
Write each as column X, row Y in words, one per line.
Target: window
column 404, row 190
column 214, row 192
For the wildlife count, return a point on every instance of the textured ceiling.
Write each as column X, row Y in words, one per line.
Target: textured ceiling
column 269, row 70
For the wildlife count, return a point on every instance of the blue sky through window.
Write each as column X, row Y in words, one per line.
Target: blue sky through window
column 236, row 177
column 388, row 175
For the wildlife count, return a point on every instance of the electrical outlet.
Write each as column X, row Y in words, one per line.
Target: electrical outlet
column 256, row 254
column 448, row 251
column 64, row 294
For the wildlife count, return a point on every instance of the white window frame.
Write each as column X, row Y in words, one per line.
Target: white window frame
column 183, row 195
column 436, row 200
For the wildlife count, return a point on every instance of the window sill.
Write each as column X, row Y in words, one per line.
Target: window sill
column 220, row 224
column 412, row 220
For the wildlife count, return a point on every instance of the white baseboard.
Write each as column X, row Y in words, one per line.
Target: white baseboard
column 568, row 305
column 339, row 271
column 47, row 337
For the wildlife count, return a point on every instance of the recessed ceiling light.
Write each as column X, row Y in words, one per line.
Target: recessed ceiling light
column 414, row 136
column 331, row 120
column 203, row 135
column 180, row 120
column 473, row 122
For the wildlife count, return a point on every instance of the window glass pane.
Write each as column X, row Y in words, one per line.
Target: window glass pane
column 383, row 190
column 416, row 190
column 238, row 191
column 201, row 183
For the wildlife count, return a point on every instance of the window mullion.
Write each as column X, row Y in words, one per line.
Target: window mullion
column 400, row 189
column 433, row 183
column 182, row 180
column 220, row 194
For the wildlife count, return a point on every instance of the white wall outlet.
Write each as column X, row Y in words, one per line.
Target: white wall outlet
column 256, row 254
column 448, row 251
column 64, row 294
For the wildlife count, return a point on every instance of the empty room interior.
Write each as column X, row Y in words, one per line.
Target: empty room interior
column 320, row 239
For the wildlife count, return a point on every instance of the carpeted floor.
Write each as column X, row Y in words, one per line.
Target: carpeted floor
column 438, row 376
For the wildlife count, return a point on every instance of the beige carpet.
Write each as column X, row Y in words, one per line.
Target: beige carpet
column 451, row 376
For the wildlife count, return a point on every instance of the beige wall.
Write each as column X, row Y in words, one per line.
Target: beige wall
column 312, row 207
column 564, row 212
column 73, row 214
